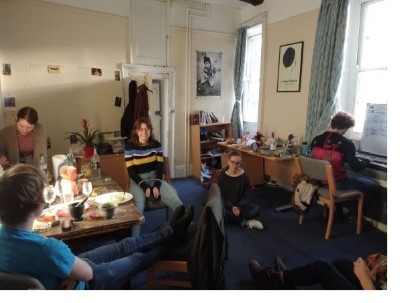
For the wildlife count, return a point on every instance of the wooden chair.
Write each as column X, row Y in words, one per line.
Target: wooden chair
column 323, row 170
column 19, row 282
column 157, row 204
column 173, row 264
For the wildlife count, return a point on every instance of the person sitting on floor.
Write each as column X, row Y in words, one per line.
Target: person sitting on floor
column 341, row 274
column 234, row 184
column 51, row 261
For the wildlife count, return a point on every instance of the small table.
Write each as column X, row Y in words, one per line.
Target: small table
column 88, row 230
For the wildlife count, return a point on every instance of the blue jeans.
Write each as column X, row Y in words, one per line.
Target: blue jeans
column 248, row 212
column 114, row 264
column 369, row 188
column 338, row 275
column 168, row 196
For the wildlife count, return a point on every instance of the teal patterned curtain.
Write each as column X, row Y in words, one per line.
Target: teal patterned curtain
column 326, row 66
column 240, row 55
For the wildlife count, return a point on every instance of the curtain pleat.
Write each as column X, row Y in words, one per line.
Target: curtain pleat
column 238, row 75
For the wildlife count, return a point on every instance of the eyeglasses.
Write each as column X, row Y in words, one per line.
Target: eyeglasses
column 235, row 163
column 144, row 129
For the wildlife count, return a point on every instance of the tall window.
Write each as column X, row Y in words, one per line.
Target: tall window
column 251, row 90
column 365, row 76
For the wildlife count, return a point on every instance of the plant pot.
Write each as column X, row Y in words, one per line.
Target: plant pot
column 108, row 210
column 89, row 151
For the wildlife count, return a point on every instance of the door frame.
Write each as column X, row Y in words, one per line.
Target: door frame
column 166, row 77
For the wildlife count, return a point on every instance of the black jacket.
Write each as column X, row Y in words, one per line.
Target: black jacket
column 127, row 120
column 208, row 249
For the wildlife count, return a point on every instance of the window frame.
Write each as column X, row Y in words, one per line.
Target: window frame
column 252, row 31
column 348, row 87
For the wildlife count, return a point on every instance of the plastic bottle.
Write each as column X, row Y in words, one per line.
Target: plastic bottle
column 304, row 150
column 95, row 160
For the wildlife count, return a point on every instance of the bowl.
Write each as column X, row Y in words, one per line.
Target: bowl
column 75, row 211
column 108, row 210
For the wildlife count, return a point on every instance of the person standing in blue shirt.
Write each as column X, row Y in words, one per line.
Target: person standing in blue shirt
column 51, row 261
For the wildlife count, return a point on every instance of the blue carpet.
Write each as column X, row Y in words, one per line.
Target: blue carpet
column 283, row 236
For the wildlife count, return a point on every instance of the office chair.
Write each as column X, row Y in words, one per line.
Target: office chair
column 322, row 170
column 203, row 258
column 156, row 204
column 19, row 282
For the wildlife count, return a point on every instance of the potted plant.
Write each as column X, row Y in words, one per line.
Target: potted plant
column 90, row 139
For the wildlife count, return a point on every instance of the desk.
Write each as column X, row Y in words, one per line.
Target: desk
column 257, row 165
column 93, row 230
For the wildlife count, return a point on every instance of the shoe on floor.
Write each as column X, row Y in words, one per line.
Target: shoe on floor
column 261, row 275
column 254, row 224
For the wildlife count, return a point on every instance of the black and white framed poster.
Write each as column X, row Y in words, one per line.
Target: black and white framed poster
column 208, row 74
column 289, row 68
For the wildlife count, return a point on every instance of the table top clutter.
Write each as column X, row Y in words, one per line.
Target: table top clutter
column 92, row 224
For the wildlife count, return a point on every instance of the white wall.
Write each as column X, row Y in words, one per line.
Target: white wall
column 36, row 34
column 78, row 39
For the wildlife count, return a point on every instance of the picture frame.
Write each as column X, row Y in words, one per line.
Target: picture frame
column 208, row 74
column 289, row 67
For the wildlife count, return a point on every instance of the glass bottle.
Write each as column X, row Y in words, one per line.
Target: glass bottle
column 43, row 165
column 71, row 158
column 272, row 145
column 95, row 161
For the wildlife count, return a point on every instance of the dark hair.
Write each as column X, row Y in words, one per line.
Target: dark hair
column 342, row 120
column 21, row 193
column 137, row 125
column 207, row 59
column 29, row 114
column 234, row 153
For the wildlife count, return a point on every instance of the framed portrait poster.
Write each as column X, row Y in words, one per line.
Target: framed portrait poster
column 289, row 67
column 208, row 74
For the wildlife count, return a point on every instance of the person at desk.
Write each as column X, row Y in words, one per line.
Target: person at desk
column 49, row 260
column 144, row 160
column 25, row 141
column 235, row 191
column 332, row 146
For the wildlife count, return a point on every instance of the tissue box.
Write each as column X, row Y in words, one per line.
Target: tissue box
column 117, row 144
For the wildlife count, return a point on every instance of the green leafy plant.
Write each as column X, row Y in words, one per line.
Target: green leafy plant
column 89, row 138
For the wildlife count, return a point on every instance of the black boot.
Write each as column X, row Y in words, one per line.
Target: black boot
column 279, row 265
column 265, row 277
column 178, row 213
column 182, row 224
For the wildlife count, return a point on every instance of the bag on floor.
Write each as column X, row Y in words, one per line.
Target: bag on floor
column 305, row 193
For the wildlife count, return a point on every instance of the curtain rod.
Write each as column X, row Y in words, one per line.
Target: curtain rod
column 252, row 20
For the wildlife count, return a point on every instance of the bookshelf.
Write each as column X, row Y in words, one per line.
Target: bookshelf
column 204, row 139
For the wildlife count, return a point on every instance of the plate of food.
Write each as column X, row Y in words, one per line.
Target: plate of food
column 116, row 197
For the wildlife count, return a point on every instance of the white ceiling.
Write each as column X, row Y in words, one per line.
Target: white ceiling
column 227, row 3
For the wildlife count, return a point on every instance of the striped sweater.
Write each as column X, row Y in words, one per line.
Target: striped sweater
column 141, row 159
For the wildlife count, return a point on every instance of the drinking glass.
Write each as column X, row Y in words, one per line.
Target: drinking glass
column 49, row 194
column 87, row 188
column 58, row 190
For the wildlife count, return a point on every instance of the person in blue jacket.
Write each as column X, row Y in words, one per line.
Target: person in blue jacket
column 51, row 261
